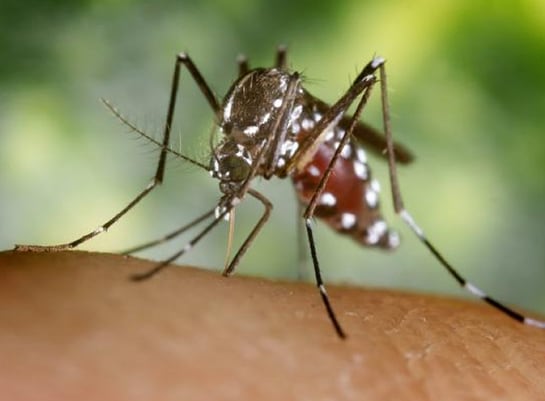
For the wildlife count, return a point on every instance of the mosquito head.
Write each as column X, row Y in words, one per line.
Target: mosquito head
column 253, row 104
column 231, row 164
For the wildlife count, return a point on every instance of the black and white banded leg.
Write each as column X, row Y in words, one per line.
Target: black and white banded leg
column 163, row 264
column 182, row 59
column 170, row 235
column 408, row 219
column 320, row 282
column 366, row 77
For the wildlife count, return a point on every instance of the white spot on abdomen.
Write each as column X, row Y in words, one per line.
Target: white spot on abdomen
column 376, row 231
column 348, row 220
column 361, row 156
column 375, row 185
column 346, row 152
column 314, row 171
column 371, row 198
column 360, row 170
column 393, row 240
column 328, row 199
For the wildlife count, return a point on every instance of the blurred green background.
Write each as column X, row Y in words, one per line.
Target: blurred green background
column 467, row 91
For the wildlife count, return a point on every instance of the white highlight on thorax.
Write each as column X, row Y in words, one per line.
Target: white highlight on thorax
column 296, row 113
column 251, row 130
column 227, row 109
column 288, row 148
column 265, row 118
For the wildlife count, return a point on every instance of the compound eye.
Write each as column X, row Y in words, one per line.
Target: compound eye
column 235, row 167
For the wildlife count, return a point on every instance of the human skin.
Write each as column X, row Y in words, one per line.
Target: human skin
column 73, row 327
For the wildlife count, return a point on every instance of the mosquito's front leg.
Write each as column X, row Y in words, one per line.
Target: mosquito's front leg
column 309, row 211
column 246, row 244
column 86, row 237
column 333, row 115
column 365, row 81
column 181, row 59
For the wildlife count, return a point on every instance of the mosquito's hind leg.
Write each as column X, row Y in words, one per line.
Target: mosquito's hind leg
column 181, row 59
column 406, row 216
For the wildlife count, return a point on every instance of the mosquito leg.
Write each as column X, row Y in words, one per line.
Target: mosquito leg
column 181, row 59
column 365, row 80
column 406, row 216
column 319, row 281
column 279, row 129
column 334, row 114
column 302, row 255
column 246, row 244
column 186, row 248
column 309, row 212
column 281, row 57
column 169, row 236
column 86, row 237
column 243, row 65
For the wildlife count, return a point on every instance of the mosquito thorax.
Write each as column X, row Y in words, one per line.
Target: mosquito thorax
column 253, row 105
column 250, row 111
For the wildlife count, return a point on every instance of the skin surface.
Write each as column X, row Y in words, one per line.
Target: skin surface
column 72, row 327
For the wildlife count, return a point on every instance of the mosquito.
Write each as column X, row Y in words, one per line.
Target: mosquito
column 271, row 126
